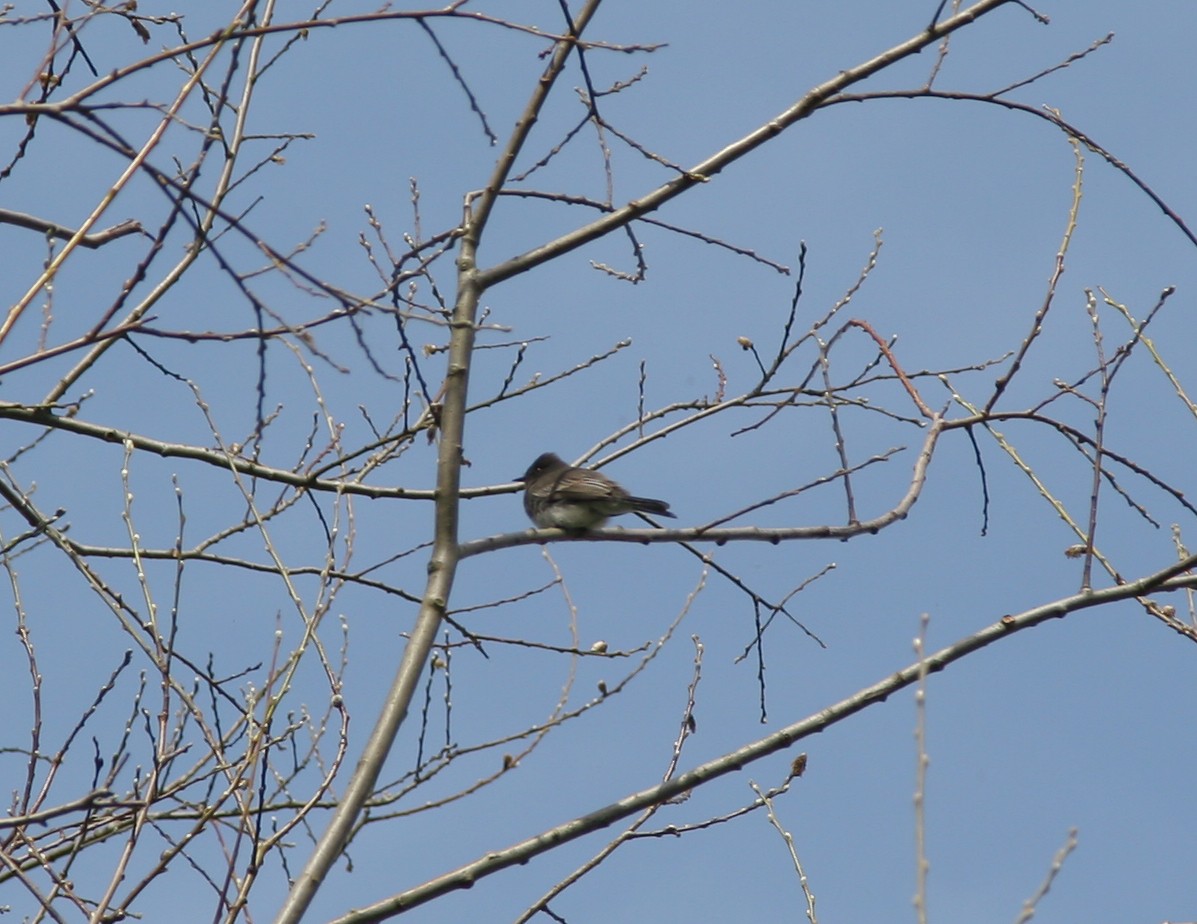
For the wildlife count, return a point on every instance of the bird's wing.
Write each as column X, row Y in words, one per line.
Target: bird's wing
column 581, row 485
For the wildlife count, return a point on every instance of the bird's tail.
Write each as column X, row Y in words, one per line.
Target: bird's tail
column 651, row 505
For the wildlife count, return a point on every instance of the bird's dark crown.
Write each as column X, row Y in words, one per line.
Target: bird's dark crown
column 545, row 462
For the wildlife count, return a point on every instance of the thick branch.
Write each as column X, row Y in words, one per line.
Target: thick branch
column 42, row 415
column 53, row 229
column 442, row 565
column 468, row 876
column 918, row 478
column 703, row 171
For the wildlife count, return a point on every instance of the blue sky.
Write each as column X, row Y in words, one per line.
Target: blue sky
column 1080, row 723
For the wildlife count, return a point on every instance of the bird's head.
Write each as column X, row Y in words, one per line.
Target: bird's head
column 545, row 462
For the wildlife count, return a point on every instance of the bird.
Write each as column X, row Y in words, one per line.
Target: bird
column 563, row 495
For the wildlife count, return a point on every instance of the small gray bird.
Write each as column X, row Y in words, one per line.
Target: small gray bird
column 559, row 494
